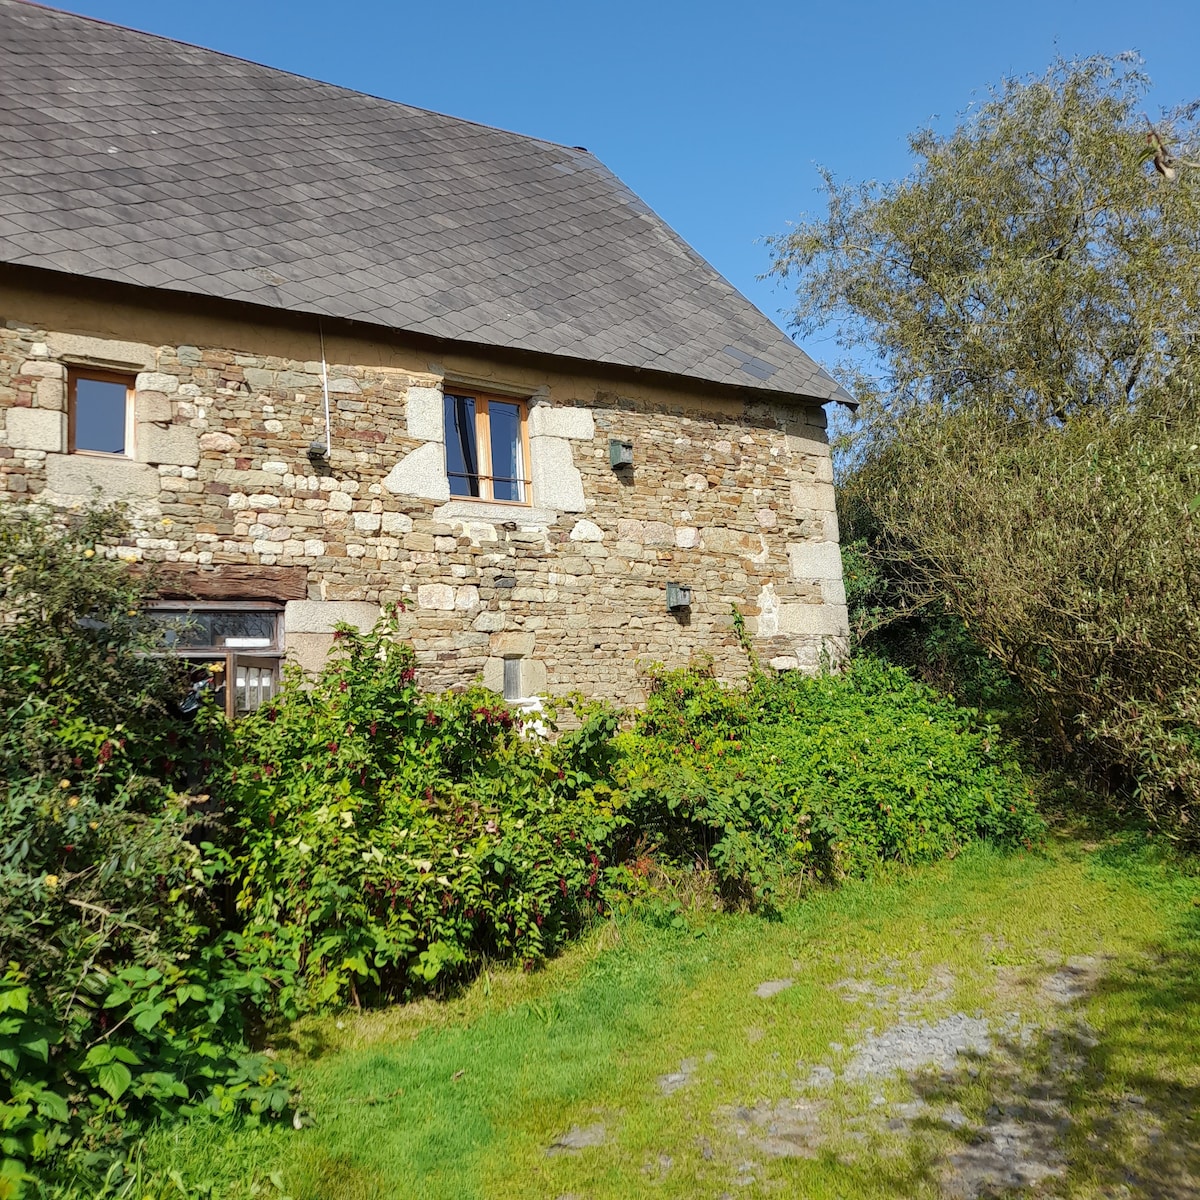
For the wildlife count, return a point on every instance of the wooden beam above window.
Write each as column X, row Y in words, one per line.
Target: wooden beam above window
column 226, row 581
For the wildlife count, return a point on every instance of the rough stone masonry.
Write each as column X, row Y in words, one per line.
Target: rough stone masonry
column 729, row 495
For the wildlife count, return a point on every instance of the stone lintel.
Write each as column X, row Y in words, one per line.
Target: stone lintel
column 511, row 645
column 109, row 353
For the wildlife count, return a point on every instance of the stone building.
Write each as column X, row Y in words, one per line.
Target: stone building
column 337, row 352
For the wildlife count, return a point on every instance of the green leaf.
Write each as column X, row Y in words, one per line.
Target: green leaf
column 97, row 1056
column 149, row 1017
column 51, row 1104
column 115, row 1079
column 38, row 1047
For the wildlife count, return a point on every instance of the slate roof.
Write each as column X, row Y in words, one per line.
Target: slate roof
column 129, row 157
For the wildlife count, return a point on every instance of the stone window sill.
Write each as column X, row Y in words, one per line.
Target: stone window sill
column 495, row 512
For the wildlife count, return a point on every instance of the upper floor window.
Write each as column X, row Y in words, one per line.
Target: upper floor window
column 99, row 412
column 487, row 447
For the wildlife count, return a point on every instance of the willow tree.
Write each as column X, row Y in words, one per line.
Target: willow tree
column 1034, row 260
column 1026, row 457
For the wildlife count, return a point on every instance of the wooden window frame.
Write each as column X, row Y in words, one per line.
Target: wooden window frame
column 256, row 658
column 74, row 375
column 483, row 446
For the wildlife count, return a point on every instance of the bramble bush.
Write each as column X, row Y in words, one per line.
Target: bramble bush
column 391, row 842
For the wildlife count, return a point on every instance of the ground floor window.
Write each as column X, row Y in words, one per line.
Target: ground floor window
column 235, row 649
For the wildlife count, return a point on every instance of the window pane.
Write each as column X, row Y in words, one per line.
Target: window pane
column 508, row 467
column 100, row 415
column 254, row 685
column 512, row 679
column 184, row 630
column 243, row 629
column 216, row 630
column 462, row 454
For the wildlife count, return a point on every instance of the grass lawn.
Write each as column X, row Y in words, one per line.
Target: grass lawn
column 1068, row 982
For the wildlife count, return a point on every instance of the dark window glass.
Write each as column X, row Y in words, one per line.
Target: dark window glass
column 217, row 630
column 504, row 426
column 462, row 453
column 100, row 415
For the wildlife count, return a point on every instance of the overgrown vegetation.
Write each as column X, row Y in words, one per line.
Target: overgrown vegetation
column 169, row 889
column 1022, row 510
column 1021, row 494
column 390, row 841
column 464, row 1098
column 796, row 777
column 116, row 1008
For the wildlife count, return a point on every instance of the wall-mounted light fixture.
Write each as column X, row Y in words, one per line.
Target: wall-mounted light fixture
column 317, row 451
column 620, row 454
column 679, row 597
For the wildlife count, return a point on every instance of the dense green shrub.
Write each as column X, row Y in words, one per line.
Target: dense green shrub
column 887, row 768
column 391, row 841
column 825, row 776
column 113, row 1008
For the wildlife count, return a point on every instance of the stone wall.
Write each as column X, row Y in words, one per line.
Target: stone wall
column 728, row 494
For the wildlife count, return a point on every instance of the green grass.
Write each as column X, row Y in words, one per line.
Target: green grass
column 461, row 1099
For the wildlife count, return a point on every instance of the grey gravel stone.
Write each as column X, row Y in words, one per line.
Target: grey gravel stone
column 1011, row 1153
column 677, row 1079
column 578, row 1138
column 772, row 987
column 785, row 1129
column 915, row 1046
column 1073, row 980
column 954, row 1117
column 820, row 1077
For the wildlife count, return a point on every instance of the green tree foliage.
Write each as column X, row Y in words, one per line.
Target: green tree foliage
column 1032, row 261
column 1025, row 473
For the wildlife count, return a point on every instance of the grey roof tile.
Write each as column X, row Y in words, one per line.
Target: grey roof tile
column 137, row 159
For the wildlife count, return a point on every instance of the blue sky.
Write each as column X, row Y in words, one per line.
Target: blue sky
column 715, row 113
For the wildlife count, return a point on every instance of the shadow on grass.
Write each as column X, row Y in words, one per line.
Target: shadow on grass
column 1136, row 1106
column 1113, row 1113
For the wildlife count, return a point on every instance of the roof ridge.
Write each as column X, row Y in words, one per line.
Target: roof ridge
column 306, row 79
